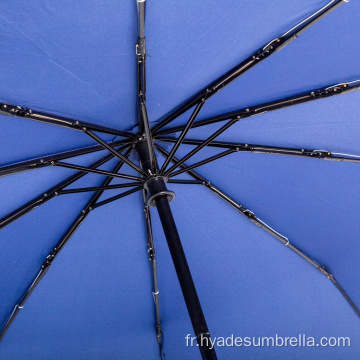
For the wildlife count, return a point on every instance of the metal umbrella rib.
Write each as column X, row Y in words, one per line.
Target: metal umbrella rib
column 18, row 111
column 302, row 98
column 152, row 180
column 255, row 220
column 95, row 171
column 263, row 53
column 56, row 250
column 275, row 150
column 44, row 161
column 49, row 194
column 152, row 258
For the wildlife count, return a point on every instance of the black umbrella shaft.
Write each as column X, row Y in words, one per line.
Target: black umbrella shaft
column 185, row 279
column 179, row 259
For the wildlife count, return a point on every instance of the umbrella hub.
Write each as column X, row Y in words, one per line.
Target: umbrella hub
column 156, row 186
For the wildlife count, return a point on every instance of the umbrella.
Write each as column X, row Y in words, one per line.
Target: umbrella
column 92, row 142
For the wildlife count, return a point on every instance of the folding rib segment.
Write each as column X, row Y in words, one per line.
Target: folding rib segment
column 243, row 113
column 275, row 150
column 181, row 137
column 18, row 111
column 203, row 162
column 260, row 55
column 152, row 258
column 45, row 161
column 202, row 145
column 94, row 171
column 117, row 197
column 56, row 250
column 112, row 150
column 50, row 193
column 97, row 188
column 180, row 181
column 258, row 222
column 141, row 75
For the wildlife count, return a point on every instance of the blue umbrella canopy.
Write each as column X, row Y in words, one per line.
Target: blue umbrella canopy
column 287, row 160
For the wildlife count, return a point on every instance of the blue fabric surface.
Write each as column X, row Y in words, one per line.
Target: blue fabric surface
column 77, row 59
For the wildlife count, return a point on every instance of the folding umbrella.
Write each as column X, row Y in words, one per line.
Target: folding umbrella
column 97, row 131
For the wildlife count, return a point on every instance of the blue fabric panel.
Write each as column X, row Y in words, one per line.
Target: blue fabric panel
column 78, row 59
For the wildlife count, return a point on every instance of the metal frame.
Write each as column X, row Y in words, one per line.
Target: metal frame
column 274, row 150
column 56, row 250
column 283, row 103
column 152, row 258
column 18, row 111
column 258, row 222
column 153, row 181
column 263, row 53
column 45, row 161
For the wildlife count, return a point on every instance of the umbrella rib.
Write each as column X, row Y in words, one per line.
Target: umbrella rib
column 202, row 145
column 258, row 222
column 247, row 112
column 275, row 150
column 116, row 197
column 45, row 160
column 181, row 137
column 95, row 171
column 113, row 151
column 18, row 111
column 260, row 55
column 50, row 193
column 203, row 162
column 141, row 76
column 152, row 258
column 180, row 181
column 97, row 188
column 56, row 250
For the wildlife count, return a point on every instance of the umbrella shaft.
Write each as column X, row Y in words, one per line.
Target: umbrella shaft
column 157, row 190
column 185, row 279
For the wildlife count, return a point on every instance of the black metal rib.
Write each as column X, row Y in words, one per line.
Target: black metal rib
column 113, row 151
column 152, row 258
column 94, row 171
column 116, row 197
column 97, row 188
column 260, row 55
column 18, row 111
column 202, row 145
column 141, row 74
column 181, row 137
column 255, row 220
column 45, row 161
column 50, row 193
column 203, row 162
column 180, row 181
column 55, row 252
column 275, row 150
column 301, row 98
